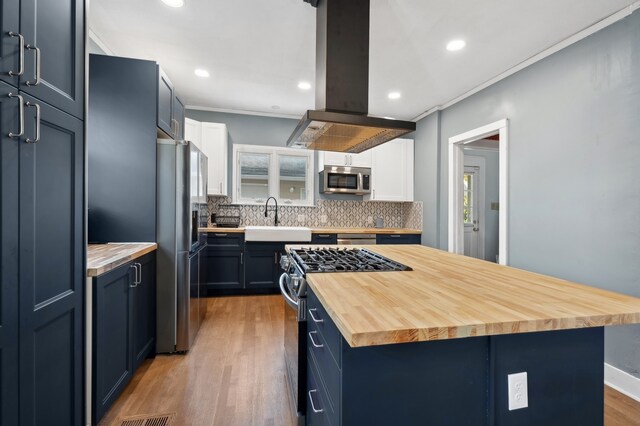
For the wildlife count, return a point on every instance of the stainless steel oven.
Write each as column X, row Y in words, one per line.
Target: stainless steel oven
column 345, row 180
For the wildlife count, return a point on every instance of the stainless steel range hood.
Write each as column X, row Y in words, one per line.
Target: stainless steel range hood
column 340, row 121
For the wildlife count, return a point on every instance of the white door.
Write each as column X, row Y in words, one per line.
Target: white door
column 214, row 146
column 360, row 160
column 471, row 211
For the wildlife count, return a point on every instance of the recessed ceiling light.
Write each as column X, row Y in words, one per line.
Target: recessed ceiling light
column 394, row 95
column 454, row 45
column 201, row 73
column 174, row 3
column 304, row 85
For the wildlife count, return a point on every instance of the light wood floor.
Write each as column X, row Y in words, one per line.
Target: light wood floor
column 235, row 374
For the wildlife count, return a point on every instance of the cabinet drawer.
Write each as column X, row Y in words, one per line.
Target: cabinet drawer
column 318, row 319
column 398, row 239
column 225, row 241
column 324, row 239
column 319, row 410
column 327, row 368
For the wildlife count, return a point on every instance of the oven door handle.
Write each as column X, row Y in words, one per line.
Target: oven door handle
column 293, row 303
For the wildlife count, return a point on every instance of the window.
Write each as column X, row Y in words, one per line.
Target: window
column 260, row 172
column 468, row 182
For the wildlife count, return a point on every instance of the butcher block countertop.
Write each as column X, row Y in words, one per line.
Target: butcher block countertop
column 103, row 258
column 450, row 296
column 328, row 230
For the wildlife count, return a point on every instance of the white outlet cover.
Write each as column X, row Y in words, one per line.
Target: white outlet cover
column 518, row 393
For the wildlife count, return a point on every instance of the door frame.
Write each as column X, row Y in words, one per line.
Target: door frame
column 471, row 160
column 456, row 170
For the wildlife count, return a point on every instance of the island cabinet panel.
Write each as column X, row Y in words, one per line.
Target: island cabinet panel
column 398, row 239
column 564, row 373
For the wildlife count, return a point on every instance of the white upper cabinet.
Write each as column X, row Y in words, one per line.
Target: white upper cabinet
column 330, row 158
column 392, row 171
column 211, row 139
column 193, row 132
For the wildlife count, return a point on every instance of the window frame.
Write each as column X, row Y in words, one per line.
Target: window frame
column 274, row 174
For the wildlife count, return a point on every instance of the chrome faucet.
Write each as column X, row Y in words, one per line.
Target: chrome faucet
column 266, row 210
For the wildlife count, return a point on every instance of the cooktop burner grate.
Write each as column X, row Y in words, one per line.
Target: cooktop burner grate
column 344, row 260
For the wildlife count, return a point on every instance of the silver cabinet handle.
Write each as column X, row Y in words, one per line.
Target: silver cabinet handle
column 20, row 53
column 241, row 258
column 220, row 187
column 324, row 236
column 313, row 342
column 37, row 80
column 346, row 161
column 220, row 235
column 313, row 317
column 313, row 407
column 21, row 116
column 135, row 279
column 275, row 257
column 139, row 267
column 394, row 236
column 37, row 107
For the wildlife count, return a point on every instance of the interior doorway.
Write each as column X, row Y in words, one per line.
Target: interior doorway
column 467, row 178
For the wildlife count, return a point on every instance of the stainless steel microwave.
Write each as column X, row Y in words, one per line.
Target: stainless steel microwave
column 345, row 180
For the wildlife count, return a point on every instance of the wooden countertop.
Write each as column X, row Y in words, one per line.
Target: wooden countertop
column 451, row 296
column 329, row 230
column 103, row 258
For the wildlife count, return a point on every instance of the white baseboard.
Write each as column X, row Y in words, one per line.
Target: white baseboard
column 621, row 381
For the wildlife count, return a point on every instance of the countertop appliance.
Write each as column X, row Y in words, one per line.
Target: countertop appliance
column 293, row 286
column 345, row 180
column 340, row 121
column 181, row 212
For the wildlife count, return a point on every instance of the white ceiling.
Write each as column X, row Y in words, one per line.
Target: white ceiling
column 258, row 50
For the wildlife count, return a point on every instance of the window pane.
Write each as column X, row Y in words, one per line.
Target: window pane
column 254, row 176
column 293, row 177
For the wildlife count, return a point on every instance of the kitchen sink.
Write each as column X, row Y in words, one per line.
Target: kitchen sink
column 292, row 234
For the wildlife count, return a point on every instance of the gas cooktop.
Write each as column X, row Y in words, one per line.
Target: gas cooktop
column 343, row 260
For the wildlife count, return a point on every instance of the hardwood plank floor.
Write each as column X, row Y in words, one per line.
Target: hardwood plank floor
column 235, row 373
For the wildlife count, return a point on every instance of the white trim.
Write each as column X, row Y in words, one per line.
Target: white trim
column 456, row 167
column 622, row 381
column 609, row 20
column 244, row 112
column 97, row 40
column 471, row 160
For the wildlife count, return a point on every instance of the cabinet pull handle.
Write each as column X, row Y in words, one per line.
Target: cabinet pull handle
column 20, row 54
column 275, row 258
column 37, row 80
column 313, row 342
column 221, row 188
column 394, row 236
column 313, row 317
column 37, row 107
column 21, row 116
column 241, row 258
column 220, row 235
column 135, row 279
column 139, row 268
column 324, row 236
column 313, row 407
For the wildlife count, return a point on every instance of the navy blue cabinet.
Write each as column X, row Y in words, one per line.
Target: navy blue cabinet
column 9, row 245
column 224, row 262
column 124, row 328
column 398, row 239
column 10, row 42
column 178, row 117
column 263, row 265
column 324, row 239
column 54, row 61
column 166, row 95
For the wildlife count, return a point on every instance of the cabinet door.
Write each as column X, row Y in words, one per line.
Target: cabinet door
column 10, row 44
column 178, row 116
column 330, row 158
column 144, row 310
column 360, row 160
column 392, row 171
column 56, row 28
column 165, row 103
column 224, row 269
column 52, row 269
column 193, row 132
column 261, row 263
column 9, row 222
column 112, row 321
column 214, row 146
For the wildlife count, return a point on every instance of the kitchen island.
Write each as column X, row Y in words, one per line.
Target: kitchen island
column 435, row 345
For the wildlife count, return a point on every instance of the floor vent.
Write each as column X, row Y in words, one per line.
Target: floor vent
column 148, row 420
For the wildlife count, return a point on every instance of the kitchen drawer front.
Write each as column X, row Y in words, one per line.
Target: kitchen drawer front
column 225, row 241
column 319, row 410
column 398, row 239
column 327, row 368
column 318, row 319
column 324, row 239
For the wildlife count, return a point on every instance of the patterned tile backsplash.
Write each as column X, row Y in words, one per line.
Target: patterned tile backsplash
column 329, row 214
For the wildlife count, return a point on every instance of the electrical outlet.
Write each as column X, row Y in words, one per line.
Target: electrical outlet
column 302, row 217
column 323, row 218
column 518, row 395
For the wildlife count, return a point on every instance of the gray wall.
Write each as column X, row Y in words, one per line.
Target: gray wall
column 258, row 130
column 574, row 163
column 491, row 195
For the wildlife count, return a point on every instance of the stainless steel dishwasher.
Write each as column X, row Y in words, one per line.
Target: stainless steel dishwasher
column 351, row 239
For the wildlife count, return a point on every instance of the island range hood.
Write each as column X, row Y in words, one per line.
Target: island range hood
column 340, row 121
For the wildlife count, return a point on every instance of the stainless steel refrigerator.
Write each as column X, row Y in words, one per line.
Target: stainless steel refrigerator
column 181, row 212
